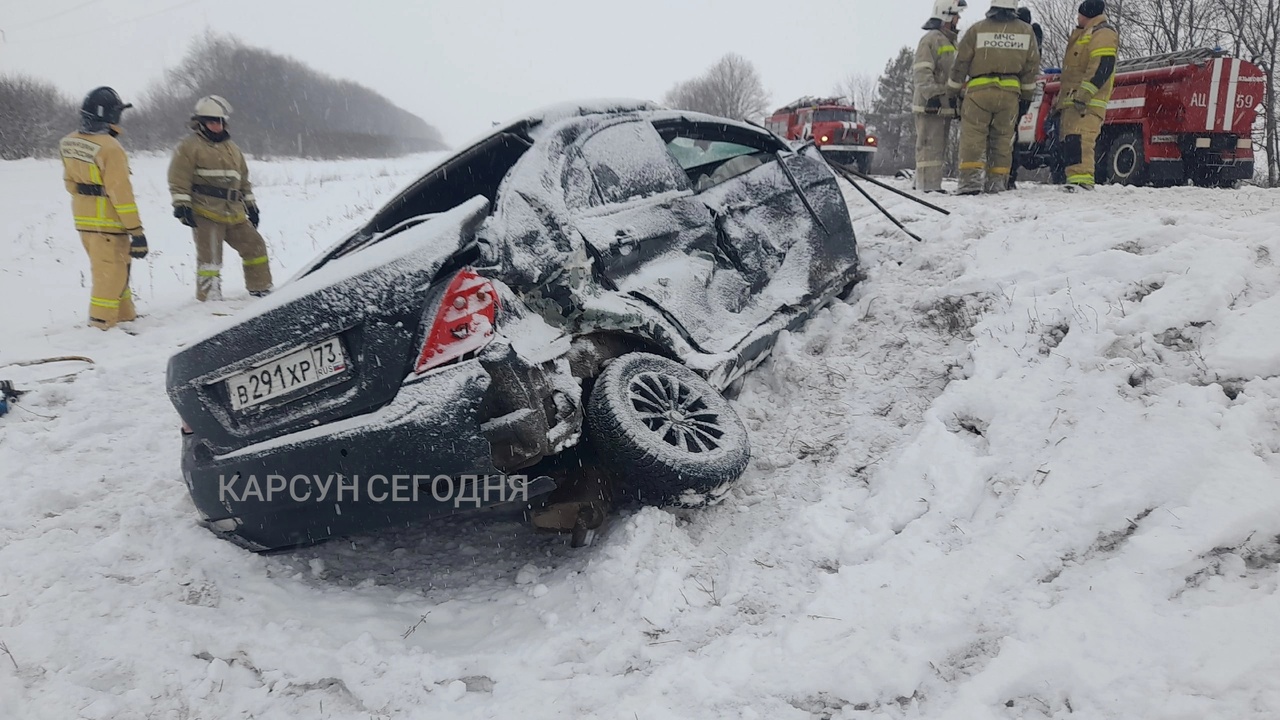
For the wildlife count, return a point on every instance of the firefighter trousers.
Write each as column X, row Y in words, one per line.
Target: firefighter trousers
column 244, row 239
column 931, row 150
column 110, row 300
column 1079, row 139
column 987, row 121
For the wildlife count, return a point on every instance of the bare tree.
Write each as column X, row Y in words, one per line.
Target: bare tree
column 33, row 117
column 1153, row 27
column 860, row 88
column 1146, row 27
column 1058, row 18
column 731, row 88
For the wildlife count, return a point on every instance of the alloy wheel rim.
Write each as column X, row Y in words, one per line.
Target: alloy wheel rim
column 676, row 412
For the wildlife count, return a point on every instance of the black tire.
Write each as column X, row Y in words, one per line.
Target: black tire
column 864, row 163
column 1125, row 162
column 665, row 429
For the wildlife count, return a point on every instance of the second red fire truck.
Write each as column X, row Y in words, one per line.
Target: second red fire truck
column 1172, row 118
column 832, row 124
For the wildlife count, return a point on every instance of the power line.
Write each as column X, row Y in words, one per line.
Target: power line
column 115, row 23
column 55, row 16
column 179, row 6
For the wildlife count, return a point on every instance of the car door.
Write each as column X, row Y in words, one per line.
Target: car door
column 780, row 219
column 649, row 235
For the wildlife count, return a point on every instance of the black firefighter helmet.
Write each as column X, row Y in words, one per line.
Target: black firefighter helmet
column 103, row 105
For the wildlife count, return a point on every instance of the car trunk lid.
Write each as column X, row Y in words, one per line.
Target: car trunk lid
column 334, row 343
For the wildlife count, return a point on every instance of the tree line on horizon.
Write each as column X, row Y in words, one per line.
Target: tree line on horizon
column 281, row 107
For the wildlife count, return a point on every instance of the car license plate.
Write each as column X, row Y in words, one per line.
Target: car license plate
column 299, row 369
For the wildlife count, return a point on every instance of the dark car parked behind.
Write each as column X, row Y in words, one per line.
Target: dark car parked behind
column 592, row 276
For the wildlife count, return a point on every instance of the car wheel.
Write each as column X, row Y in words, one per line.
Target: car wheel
column 1125, row 163
column 665, row 428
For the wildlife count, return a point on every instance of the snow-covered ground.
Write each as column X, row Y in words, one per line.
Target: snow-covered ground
column 1029, row 471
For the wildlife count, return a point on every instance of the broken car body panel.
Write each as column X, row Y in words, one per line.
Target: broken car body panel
column 604, row 229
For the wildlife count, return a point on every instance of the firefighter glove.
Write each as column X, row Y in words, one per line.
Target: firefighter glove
column 1079, row 100
column 252, row 211
column 138, row 246
column 185, row 214
column 933, row 105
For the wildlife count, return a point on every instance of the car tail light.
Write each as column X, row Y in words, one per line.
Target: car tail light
column 463, row 324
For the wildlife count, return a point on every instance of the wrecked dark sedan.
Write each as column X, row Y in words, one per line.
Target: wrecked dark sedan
column 588, row 282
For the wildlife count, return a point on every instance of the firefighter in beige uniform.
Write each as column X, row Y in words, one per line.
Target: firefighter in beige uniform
column 999, row 58
column 95, row 170
column 934, row 57
column 211, row 193
column 1088, row 76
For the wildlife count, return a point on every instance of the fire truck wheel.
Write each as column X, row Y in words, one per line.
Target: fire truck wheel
column 1124, row 163
column 864, row 163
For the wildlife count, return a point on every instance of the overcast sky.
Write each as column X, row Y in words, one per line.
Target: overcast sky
column 463, row 64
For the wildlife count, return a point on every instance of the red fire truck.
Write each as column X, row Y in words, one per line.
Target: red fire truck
column 1172, row 118
column 833, row 125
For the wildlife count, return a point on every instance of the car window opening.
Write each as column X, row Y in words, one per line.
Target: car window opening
column 478, row 171
column 711, row 155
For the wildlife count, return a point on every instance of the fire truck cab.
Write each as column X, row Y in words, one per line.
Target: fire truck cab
column 832, row 124
column 1172, row 118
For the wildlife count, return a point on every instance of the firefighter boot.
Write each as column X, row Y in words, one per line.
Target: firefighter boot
column 209, row 283
column 110, row 301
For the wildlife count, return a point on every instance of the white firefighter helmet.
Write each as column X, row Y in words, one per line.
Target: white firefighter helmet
column 1006, row 4
column 946, row 9
column 213, row 106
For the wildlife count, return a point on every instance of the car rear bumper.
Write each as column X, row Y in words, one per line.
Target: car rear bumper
column 421, row 456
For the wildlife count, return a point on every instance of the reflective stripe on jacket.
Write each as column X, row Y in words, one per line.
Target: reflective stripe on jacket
column 95, row 170
column 935, row 55
column 211, row 177
column 1000, row 53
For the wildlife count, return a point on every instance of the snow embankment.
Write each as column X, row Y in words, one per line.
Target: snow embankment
column 1029, row 471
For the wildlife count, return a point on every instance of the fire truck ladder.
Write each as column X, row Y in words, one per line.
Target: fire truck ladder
column 812, row 101
column 1182, row 57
